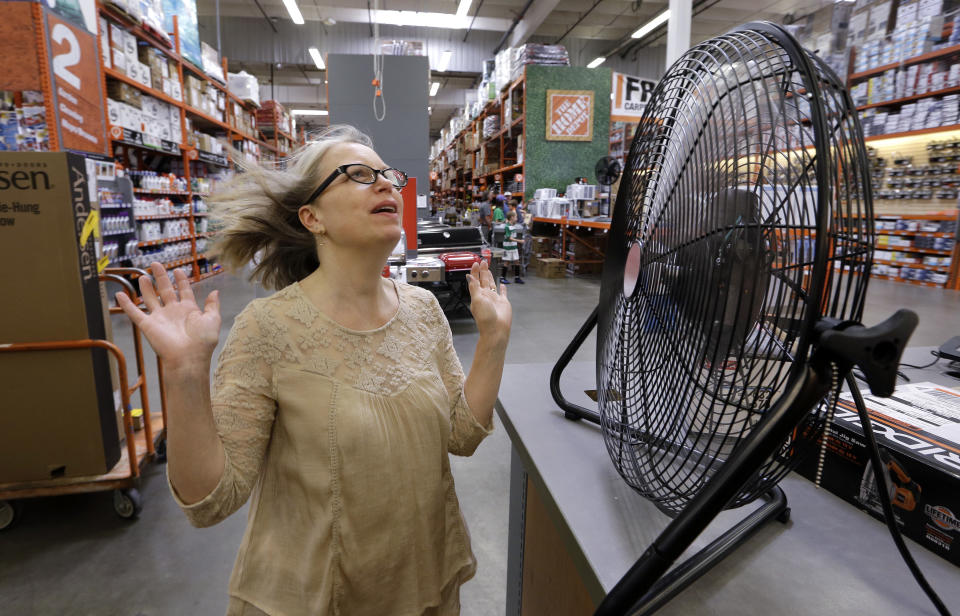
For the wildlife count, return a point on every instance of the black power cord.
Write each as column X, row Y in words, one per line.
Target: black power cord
column 934, row 353
column 879, row 471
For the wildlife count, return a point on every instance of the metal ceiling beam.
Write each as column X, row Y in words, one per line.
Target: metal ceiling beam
column 513, row 25
column 577, row 23
column 473, row 21
column 531, row 20
column 259, row 6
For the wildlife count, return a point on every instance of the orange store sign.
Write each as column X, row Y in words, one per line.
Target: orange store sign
column 76, row 85
column 570, row 115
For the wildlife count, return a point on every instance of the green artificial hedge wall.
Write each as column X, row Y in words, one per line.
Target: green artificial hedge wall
column 555, row 164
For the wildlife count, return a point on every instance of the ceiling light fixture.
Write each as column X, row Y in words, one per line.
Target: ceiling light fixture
column 434, row 87
column 648, row 27
column 310, row 112
column 294, row 11
column 444, row 61
column 317, row 58
column 597, row 62
column 422, row 20
column 464, row 8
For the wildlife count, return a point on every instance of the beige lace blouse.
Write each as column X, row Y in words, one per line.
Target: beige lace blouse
column 342, row 437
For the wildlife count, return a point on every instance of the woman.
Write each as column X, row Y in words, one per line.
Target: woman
column 335, row 401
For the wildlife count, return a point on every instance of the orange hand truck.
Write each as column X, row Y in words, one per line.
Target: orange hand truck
column 141, row 446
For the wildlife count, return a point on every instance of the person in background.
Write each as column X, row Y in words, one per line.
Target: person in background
column 518, row 208
column 511, row 256
column 498, row 214
column 486, row 216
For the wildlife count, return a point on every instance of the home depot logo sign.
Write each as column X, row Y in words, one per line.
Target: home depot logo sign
column 570, row 115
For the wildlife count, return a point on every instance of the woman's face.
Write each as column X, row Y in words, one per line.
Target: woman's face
column 355, row 214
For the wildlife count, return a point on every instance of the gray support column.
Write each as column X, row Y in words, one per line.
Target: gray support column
column 678, row 29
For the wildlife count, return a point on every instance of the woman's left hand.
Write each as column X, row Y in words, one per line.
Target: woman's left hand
column 491, row 309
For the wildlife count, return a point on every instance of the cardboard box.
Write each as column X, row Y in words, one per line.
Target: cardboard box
column 551, row 268
column 58, row 417
column 119, row 60
column 919, row 437
column 116, row 37
column 113, row 112
column 125, row 93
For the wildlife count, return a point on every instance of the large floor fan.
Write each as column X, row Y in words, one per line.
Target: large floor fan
column 737, row 267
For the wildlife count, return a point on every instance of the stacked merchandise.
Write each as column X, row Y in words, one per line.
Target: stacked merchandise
column 502, row 69
column 148, row 13
column 918, row 30
column 211, row 63
column 23, row 122
column 206, row 143
column 922, row 183
column 925, row 113
column 244, row 86
column 162, row 183
column 907, row 81
column 242, row 120
column 491, row 124
column 534, row 53
column 402, row 48
column 276, row 122
column 120, row 51
column 129, row 108
column 205, row 97
column 273, row 116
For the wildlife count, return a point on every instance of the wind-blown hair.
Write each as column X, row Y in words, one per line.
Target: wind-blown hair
column 256, row 212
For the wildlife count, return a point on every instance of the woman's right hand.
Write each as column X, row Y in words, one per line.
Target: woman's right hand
column 179, row 332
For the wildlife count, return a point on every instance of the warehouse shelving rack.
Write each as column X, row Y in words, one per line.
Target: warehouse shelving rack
column 454, row 178
column 123, row 139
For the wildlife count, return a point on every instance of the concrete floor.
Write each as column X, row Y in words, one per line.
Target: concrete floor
column 72, row 555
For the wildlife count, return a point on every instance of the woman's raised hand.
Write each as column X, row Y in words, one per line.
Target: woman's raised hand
column 490, row 307
column 179, row 332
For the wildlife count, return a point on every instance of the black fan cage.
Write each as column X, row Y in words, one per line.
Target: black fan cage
column 744, row 216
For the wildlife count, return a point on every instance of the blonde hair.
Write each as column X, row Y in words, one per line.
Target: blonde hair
column 257, row 212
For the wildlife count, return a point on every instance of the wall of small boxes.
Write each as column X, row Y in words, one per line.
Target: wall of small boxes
column 121, row 52
column 130, row 108
column 918, row 30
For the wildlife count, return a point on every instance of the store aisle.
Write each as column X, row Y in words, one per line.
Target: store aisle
column 72, row 555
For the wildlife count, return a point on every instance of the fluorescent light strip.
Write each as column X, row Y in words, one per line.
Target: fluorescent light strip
column 317, row 58
column 424, row 20
column 294, row 11
column 464, row 8
column 310, row 112
column 434, row 87
column 654, row 23
column 597, row 62
column 444, row 61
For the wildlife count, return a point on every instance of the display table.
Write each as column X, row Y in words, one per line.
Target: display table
column 576, row 527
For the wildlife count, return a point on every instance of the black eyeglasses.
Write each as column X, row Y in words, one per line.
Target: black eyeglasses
column 362, row 174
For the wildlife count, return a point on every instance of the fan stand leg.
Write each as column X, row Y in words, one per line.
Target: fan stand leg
column 573, row 411
column 649, row 583
column 687, row 572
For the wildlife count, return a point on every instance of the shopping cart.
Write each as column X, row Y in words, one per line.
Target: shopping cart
column 141, row 446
